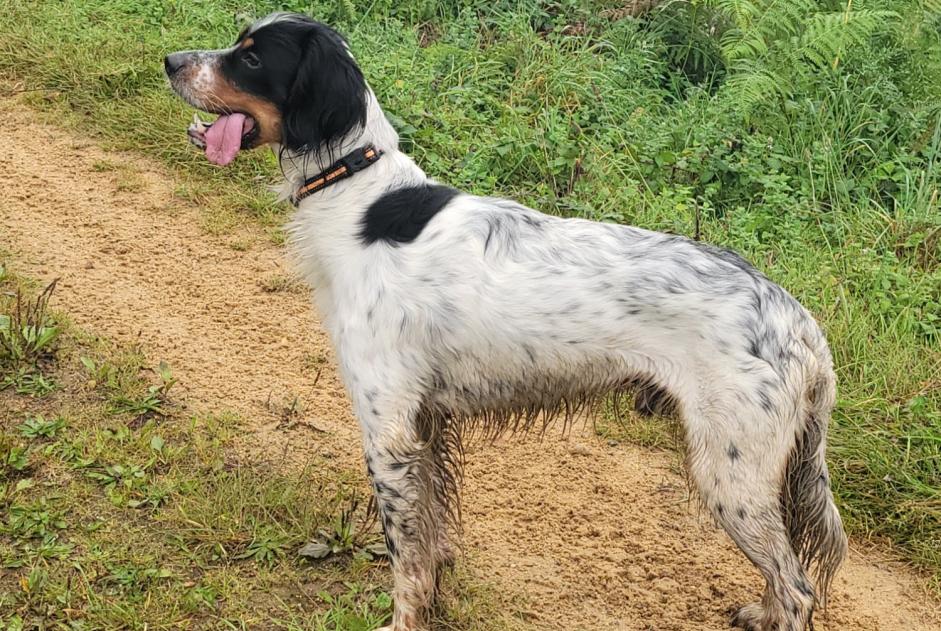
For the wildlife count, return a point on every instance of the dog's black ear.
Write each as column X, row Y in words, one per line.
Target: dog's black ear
column 327, row 100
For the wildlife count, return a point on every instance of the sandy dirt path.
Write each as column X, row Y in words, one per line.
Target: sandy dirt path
column 582, row 534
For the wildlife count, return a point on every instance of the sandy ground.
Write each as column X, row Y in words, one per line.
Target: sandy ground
column 580, row 533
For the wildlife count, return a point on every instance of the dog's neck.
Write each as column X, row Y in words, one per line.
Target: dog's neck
column 377, row 131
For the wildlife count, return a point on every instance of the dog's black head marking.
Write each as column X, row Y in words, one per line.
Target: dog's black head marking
column 293, row 75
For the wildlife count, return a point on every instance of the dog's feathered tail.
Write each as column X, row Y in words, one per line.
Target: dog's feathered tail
column 812, row 519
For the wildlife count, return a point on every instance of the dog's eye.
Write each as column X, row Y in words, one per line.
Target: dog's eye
column 251, row 60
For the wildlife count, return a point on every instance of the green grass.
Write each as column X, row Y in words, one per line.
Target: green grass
column 138, row 516
column 808, row 140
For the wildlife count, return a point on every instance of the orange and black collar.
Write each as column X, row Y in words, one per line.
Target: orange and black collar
column 345, row 167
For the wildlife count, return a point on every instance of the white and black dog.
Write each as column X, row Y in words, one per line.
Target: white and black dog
column 453, row 313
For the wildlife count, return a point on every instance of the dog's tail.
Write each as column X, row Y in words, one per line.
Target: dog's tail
column 813, row 521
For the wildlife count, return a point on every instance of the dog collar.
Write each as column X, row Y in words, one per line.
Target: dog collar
column 345, row 167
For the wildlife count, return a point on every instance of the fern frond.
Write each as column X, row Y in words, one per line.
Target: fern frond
column 742, row 13
column 748, row 88
column 758, row 25
column 786, row 17
column 828, row 35
column 347, row 9
column 737, row 44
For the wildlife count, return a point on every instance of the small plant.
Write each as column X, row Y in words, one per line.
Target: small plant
column 201, row 597
column 281, row 283
column 36, row 520
column 39, row 427
column 130, row 485
column 35, row 580
column 125, row 476
column 27, row 333
column 134, row 577
column 48, row 548
column 101, row 373
column 346, row 536
column 33, row 384
column 266, row 547
column 151, row 496
column 13, row 458
column 154, row 400
column 356, row 610
column 290, row 410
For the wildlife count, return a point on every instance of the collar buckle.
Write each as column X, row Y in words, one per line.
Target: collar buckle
column 356, row 161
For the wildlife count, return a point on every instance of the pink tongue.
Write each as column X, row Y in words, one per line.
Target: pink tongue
column 224, row 138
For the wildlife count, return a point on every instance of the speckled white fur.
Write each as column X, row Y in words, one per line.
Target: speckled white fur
column 496, row 312
column 498, row 307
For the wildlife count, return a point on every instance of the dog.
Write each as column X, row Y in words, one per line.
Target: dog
column 454, row 314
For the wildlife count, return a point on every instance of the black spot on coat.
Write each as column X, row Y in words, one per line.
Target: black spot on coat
column 400, row 215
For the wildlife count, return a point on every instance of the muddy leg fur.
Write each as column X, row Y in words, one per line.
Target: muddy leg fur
column 400, row 479
column 741, row 486
column 761, row 471
column 443, row 462
column 415, row 482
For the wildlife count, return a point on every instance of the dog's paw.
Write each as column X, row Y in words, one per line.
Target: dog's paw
column 749, row 617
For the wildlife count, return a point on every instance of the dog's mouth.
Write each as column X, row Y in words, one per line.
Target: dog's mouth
column 223, row 138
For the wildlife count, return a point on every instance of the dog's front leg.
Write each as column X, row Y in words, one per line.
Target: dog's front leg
column 400, row 472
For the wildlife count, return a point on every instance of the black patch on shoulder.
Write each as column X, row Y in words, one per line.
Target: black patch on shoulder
column 400, row 215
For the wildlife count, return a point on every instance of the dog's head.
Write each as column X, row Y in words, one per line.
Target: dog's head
column 287, row 80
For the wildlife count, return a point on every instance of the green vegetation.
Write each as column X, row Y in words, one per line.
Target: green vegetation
column 120, row 516
column 117, row 510
column 804, row 134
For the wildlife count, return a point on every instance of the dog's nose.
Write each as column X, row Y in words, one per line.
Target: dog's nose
column 172, row 63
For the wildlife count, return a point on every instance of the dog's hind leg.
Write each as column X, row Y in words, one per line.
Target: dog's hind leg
column 738, row 462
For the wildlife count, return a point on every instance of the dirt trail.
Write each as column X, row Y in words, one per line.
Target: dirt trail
column 583, row 534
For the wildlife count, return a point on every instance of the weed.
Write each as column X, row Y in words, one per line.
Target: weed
column 131, row 485
column 39, row 427
column 103, row 166
column 350, row 611
column 281, row 283
column 289, row 410
column 126, row 476
column 35, row 520
column 98, row 372
column 129, row 182
column 153, row 402
column 346, row 536
column 13, row 458
column 29, row 383
column 240, row 245
column 266, row 546
column 135, row 577
column 27, row 332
